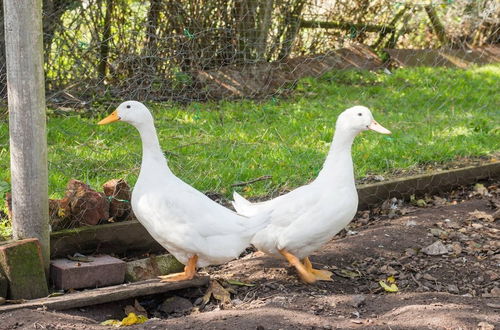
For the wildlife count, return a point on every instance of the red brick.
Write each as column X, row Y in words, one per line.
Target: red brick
column 101, row 271
column 22, row 265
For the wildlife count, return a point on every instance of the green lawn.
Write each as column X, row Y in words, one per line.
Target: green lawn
column 435, row 114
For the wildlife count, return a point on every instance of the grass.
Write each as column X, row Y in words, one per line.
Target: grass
column 436, row 115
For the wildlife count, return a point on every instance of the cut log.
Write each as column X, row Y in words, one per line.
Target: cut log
column 88, row 206
column 118, row 193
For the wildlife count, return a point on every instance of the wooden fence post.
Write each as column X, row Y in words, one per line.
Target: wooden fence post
column 27, row 115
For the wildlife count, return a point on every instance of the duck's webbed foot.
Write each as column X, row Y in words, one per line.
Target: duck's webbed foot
column 188, row 273
column 320, row 274
column 305, row 275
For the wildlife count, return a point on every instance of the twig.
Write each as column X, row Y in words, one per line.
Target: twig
column 261, row 178
column 416, row 281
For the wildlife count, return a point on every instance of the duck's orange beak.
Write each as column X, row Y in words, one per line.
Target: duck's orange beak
column 374, row 126
column 109, row 119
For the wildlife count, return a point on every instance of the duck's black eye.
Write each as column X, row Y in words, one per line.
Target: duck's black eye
column 360, row 114
column 128, row 107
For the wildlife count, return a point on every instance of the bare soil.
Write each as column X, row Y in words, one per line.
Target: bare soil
column 457, row 289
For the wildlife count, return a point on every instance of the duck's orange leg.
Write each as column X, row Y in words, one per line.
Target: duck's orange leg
column 188, row 273
column 304, row 274
column 320, row 274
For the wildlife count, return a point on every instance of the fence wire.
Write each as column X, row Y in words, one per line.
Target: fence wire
column 189, row 59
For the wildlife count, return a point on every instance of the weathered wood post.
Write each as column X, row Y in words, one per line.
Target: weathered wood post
column 28, row 141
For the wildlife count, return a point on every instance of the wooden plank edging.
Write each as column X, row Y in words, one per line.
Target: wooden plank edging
column 106, row 294
column 373, row 194
column 131, row 236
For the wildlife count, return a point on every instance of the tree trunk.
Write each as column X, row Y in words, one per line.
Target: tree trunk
column 106, row 35
column 265, row 16
column 28, row 139
column 151, row 28
column 437, row 25
column 292, row 24
column 51, row 19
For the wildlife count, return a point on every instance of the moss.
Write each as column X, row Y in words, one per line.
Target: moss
column 22, row 264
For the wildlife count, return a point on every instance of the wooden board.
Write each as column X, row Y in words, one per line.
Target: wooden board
column 106, row 295
column 119, row 238
column 125, row 237
column 373, row 194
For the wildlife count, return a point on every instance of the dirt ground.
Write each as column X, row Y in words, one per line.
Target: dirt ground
column 454, row 284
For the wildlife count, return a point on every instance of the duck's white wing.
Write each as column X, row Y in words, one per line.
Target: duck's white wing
column 194, row 208
column 281, row 207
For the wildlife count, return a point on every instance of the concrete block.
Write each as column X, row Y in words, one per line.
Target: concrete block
column 100, row 271
column 143, row 269
column 22, row 265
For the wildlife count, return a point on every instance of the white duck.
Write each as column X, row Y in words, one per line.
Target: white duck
column 192, row 227
column 308, row 217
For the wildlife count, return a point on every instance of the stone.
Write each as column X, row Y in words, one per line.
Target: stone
column 435, row 249
column 494, row 293
column 357, row 300
column 176, row 305
column 452, row 288
column 485, row 326
column 100, row 271
column 23, row 267
column 152, row 267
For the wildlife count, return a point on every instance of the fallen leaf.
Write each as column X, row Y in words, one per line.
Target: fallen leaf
column 391, row 279
column 218, row 292
column 421, row 203
column 115, row 323
column 480, row 189
column 136, row 309
column 480, row 215
column 133, row 318
column 389, row 288
column 347, row 273
column 435, row 249
column 55, row 294
column 130, row 319
column 79, row 257
column 234, row 282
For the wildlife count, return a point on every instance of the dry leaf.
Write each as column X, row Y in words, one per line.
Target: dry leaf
column 130, row 319
column 481, row 189
column 136, row 309
column 133, row 318
column 480, row 215
column 218, row 292
column 347, row 273
column 234, row 282
column 389, row 288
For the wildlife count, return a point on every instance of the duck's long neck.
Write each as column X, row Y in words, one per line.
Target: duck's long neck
column 153, row 159
column 338, row 167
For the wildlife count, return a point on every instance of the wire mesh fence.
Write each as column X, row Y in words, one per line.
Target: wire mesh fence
column 250, row 89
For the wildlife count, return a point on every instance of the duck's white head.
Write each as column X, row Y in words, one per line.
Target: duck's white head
column 132, row 112
column 358, row 119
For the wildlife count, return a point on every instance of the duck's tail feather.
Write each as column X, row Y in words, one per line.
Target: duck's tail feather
column 241, row 205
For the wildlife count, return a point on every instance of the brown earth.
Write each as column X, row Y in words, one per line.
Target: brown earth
column 458, row 289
